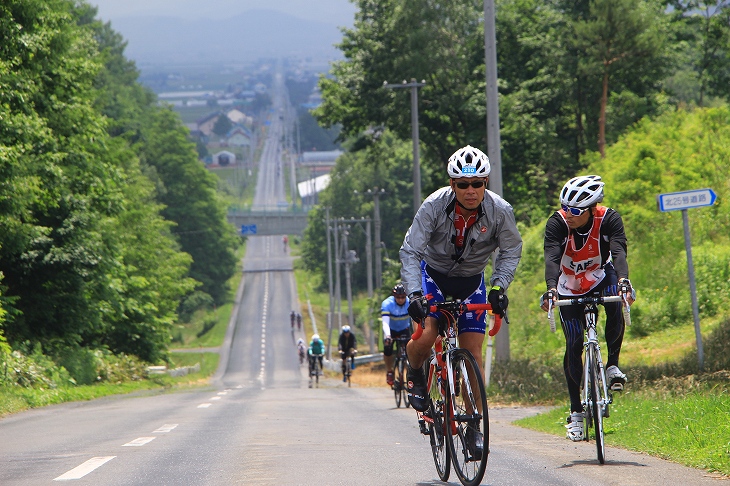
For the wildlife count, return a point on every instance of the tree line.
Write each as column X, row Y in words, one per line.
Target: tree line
column 586, row 86
column 109, row 224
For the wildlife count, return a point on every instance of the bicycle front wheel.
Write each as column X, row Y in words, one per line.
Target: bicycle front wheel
column 439, row 448
column 467, row 416
column 596, row 404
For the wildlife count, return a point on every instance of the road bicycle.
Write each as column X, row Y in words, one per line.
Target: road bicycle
column 400, row 365
column 457, row 414
column 596, row 396
column 315, row 370
column 347, row 369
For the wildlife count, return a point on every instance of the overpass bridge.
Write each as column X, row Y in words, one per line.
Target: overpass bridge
column 268, row 221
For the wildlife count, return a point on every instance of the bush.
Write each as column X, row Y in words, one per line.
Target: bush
column 195, row 301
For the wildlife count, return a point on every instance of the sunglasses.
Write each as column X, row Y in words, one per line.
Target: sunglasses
column 475, row 184
column 573, row 211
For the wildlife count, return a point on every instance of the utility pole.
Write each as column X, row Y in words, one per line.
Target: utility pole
column 350, row 258
column 376, row 193
column 338, row 286
column 330, row 316
column 493, row 152
column 378, row 244
column 414, row 135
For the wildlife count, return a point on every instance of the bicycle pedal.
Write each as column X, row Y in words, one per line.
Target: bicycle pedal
column 422, row 426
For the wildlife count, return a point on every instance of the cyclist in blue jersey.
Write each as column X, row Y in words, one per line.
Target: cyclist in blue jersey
column 396, row 323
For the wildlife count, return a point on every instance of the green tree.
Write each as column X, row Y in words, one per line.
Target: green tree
column 624, row 32
column 704, row 47
column 145, row 295
column 222, row 125
column 188, row 192
column 59, row 192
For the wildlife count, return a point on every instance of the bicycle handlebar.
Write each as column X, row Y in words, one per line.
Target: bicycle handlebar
column 626, row 308
column 457, row 308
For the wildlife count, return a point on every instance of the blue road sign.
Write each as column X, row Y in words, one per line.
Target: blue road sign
column 248, row 229
column 674, row 201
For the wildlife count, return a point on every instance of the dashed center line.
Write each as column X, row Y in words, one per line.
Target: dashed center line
column 262, row 370
column 164, row 428
column 139, row 442
column 204, row 405
column 82, row 470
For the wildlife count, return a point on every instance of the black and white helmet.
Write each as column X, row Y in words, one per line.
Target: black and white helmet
column 468, row 162
column 582, row 192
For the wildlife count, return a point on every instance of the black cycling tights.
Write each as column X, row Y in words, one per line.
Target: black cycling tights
column 572, row 318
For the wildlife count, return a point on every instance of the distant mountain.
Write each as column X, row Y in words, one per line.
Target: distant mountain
column 242, row 38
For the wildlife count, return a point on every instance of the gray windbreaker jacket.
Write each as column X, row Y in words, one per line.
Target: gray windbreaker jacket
column 432, row 234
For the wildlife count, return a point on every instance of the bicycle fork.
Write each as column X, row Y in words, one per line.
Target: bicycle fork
column 592, row 343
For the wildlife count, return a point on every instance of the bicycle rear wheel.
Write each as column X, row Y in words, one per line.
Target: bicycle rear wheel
column 398, row 388
column 596, row 404
column 439, row 447
column 469, row 442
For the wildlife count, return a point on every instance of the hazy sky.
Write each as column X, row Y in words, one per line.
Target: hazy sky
column 339, row 12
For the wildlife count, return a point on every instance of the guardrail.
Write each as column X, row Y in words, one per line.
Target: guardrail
column 182, row 371
column 334, row 365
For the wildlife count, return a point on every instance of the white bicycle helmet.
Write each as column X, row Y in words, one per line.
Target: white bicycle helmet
column 345, row 328
column 315, row 337
column 582, row 192
column 468, row 162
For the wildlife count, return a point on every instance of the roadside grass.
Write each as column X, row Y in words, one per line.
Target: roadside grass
column 679, row 419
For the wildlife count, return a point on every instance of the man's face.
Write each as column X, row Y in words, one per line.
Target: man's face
column 400, row 299
column 576, row 221
column 469, row 196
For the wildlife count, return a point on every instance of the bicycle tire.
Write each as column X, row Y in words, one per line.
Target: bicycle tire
column 438, row 440
column 463, row 415
column 316, row 372
column 406, row 400
column 596, row 408
column 398, row 387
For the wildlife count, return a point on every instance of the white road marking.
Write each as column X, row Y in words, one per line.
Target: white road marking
column 214, row 398
column 139, row 442
column 165, row 428
column 82, row 470
column 262, row 370
column 204, row 405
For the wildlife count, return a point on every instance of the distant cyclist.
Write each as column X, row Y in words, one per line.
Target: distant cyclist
column 299, row 321
column 301, row 350
column 315, row 351
column 348, row 347
column 585, row 253
column 396, row 323
column 293, row 319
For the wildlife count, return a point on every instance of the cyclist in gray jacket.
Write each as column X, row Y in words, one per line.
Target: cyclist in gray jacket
column 445, row 252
